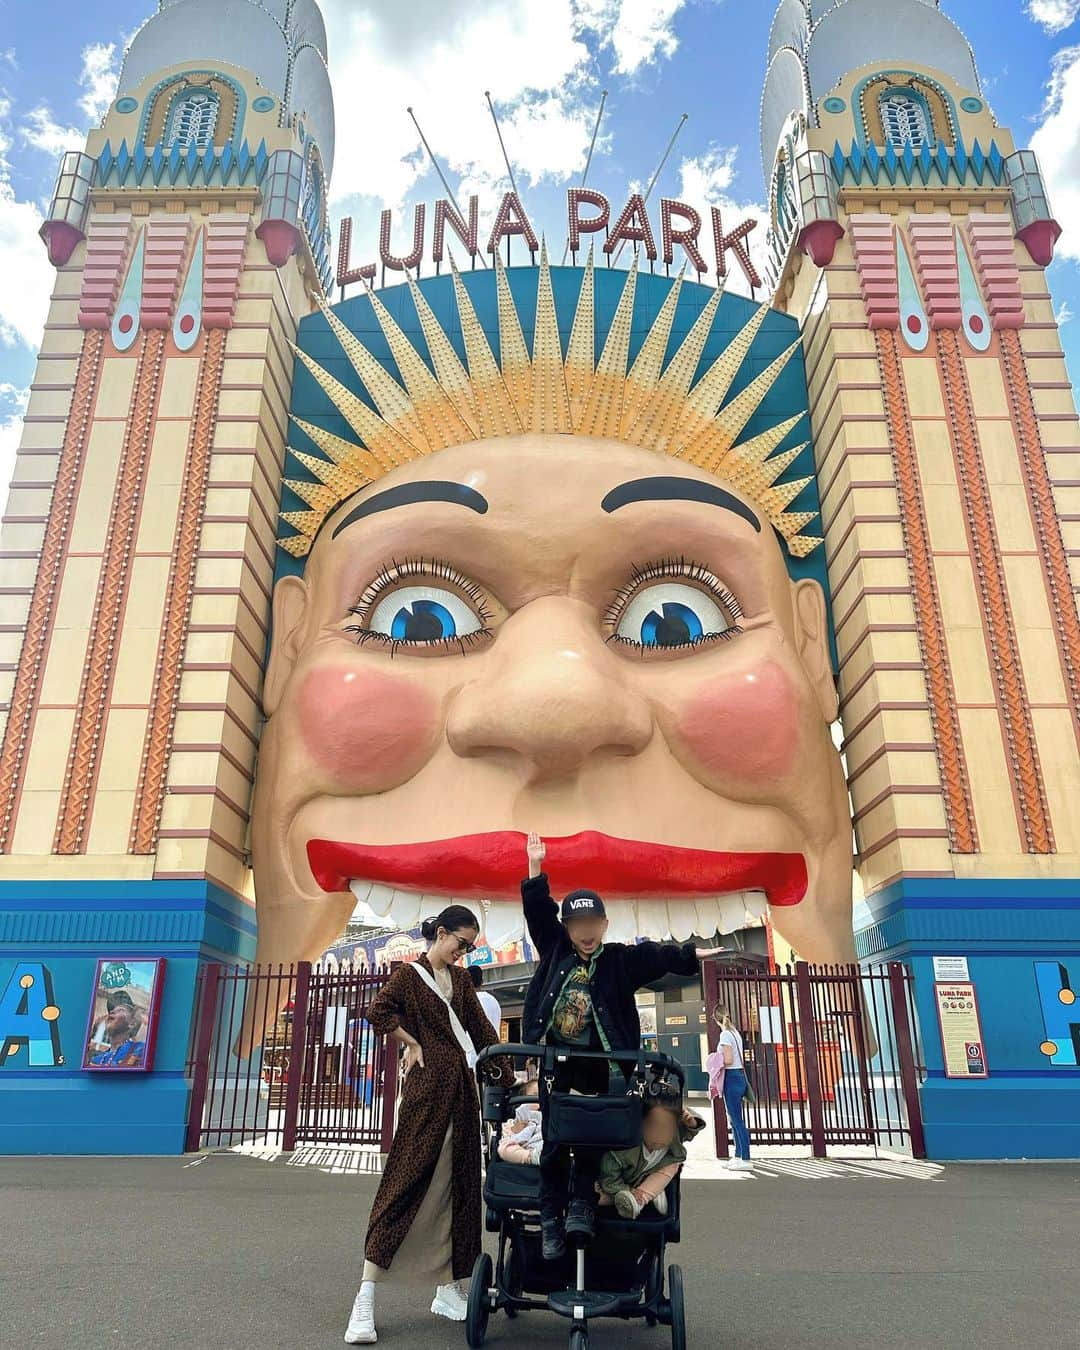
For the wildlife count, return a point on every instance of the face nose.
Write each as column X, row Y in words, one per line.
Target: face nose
column 551, row 693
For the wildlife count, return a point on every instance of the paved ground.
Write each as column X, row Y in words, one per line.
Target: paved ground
column 228, row 1252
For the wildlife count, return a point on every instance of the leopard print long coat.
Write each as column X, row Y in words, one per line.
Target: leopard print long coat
column 444, row 1091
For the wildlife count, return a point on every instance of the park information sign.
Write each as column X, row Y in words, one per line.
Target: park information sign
column 962, row 1045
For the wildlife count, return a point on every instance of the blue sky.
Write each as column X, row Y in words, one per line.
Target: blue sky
column 546, row 62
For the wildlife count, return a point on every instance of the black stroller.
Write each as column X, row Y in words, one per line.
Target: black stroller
column 622, row 1273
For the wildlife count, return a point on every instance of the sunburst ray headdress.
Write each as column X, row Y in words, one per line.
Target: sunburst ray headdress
column 449, row 403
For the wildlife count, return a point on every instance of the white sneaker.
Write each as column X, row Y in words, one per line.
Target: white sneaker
column 660, row 1203
column 361, row 1328
column 450, row 1302
column 740, row 1165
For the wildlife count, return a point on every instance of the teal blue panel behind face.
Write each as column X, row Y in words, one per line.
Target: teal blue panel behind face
column 787, row 398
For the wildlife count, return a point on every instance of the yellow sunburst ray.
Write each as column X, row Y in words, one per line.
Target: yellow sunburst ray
column 658, row 421
column 602, row 412
column 449, row 371
column 734, row 416
column 495, row 408
column 385, row 442
column 581, row 350
column 439, row 420
column 393, row 403
column 341, row 452
column 343, row 480
column 648, row 364
column 513, row 354
column 550, row 403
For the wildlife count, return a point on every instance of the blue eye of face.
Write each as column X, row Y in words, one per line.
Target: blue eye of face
column 671, row 615
column 424, row 614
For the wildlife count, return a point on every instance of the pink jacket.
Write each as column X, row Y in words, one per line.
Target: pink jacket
column 714, row 1067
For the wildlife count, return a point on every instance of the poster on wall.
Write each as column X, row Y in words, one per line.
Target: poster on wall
column 962, row 1046
column 124, row 1015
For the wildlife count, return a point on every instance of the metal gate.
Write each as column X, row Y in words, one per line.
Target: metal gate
column 319, row 1075
column 832, row 1053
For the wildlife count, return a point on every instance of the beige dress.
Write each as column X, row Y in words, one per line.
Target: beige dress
column 424, row 1256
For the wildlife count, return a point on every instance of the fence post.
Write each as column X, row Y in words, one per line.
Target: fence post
column 296, row 1055
column 207, row 1015
column 808, row 1034
column 898, row 978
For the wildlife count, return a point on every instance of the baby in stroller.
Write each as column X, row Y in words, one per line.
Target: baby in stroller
column 522, row 1137
column 632, row 1178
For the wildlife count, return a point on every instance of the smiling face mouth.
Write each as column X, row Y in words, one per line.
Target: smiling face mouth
column 396, row 880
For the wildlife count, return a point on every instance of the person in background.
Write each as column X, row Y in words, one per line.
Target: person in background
column 425, row 1223
column 522, row 1139
column 727, row 1079
column 489, row 1003
column 631, row 1178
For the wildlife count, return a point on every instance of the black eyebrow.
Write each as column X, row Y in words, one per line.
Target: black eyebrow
column 457, row 494
column 677, row 490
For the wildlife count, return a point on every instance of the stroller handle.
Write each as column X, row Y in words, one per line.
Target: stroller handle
column 642, row 1058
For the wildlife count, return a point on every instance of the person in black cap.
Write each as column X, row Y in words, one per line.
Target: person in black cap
column 582, row 996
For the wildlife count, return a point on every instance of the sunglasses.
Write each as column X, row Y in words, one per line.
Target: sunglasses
column 465, row 948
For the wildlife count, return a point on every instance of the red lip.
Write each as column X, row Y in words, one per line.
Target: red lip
column 491, row 866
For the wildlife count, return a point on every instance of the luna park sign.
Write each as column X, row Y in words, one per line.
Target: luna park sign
column 587, row 213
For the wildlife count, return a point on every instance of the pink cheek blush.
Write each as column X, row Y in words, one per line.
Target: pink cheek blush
column 745, row 726
column 368, row 731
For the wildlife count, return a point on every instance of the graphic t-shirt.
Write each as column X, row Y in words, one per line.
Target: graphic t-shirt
column 572, row 1021
column 129, row 1055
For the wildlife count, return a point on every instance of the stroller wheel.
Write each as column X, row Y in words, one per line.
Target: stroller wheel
column 479, row 1309
column 678, row 1308
column 579, row 1339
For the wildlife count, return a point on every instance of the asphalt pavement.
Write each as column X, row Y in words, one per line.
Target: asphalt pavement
column 230, row 1252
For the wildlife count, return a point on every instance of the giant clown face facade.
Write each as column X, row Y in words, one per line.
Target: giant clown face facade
column 549, row 591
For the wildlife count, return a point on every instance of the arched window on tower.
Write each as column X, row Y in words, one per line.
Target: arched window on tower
column 905, row 117
column 192, row 120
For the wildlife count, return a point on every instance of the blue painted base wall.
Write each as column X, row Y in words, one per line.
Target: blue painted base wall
column 68, row 927
column 1028, row 1107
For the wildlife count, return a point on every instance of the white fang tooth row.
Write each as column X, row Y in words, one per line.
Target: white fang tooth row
column 502, row 922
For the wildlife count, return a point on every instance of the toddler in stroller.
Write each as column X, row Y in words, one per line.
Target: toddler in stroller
column 632, row 1178
column 521, row 1139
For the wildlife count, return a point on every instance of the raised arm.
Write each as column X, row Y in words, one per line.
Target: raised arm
column 541, row 911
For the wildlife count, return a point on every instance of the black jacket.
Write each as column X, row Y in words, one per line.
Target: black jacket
column 620, row 971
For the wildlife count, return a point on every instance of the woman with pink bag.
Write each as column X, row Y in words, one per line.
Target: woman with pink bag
column 727, row 1080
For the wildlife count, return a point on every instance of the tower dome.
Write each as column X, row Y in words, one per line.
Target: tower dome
column 282, row 43
column 814, row 43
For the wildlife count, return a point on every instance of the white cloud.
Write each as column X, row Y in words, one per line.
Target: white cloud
column 1064, row 314
column 644, row 33
column 1053, row 15
column 98, row 78
column 440, row 62
column 13, row 401
column 24, row 297
column 1057, row 144
column 41, row 130
column 705, row 181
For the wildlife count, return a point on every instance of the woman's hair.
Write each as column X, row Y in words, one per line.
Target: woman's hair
column 722, row 1018
column 451, row 918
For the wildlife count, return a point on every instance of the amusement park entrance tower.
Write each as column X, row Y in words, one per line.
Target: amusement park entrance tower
column 910, row 237
column 189, row 237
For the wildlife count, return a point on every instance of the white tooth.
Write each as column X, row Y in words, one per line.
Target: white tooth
column 682, row 919
column 361, row 889
column 380, row 900
column 405, row 910
column 757, row 904
column 504, row 923
column 622, row 921
column 652, row 919
column 732, row 913
column 708, row 916
column 475, row 907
